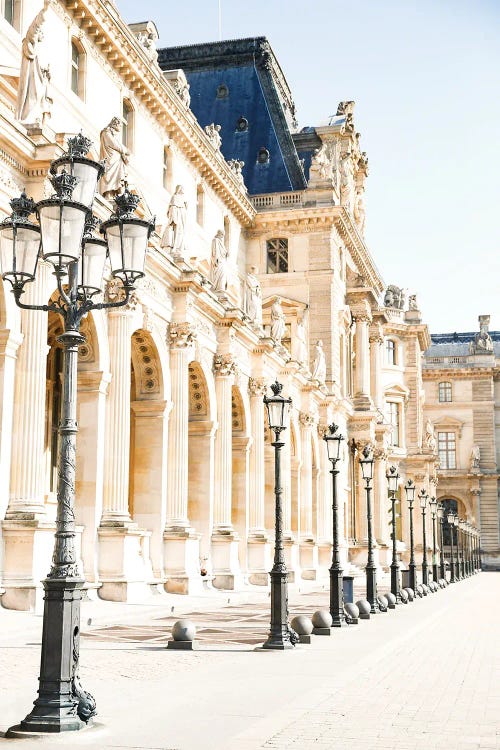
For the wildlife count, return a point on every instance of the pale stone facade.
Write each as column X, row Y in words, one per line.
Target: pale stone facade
column 462, row 399
column 174, row 463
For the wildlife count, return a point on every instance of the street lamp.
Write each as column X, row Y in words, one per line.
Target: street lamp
column 371, row 569
column 433, row 507
column 422, row 496
column 281, row 635
column 410, row 499
column 64, row 239
column 451, row 524
column 440, row 515
column 392, row 481
column 461, row 526
column 456, row 523
column 333, row 440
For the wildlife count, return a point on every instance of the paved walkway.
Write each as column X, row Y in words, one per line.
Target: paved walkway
column 423, row 677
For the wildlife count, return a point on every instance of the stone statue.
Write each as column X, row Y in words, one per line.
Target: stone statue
column 116, row 156
column 277, row 321
column 359, row 210
column 236, row 167
column 346, row 179
column 219, row 263
column 301, row 348
column 33, row 101
column 475, row 456
column 174, row 233
column 253, row 297
column 430, row 439
column 320, row 164
column 412, row 302
column 319, row 364
column 146, row 34
column 213, row 131
column 394, row 297
column 482, row 343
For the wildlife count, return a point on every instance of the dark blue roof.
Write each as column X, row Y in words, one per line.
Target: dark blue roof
column 250, row 74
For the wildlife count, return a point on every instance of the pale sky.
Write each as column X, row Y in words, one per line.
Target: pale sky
column 425, row 76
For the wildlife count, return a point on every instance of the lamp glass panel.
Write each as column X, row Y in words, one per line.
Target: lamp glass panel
column 423, row 501
column 410, row 493
column 275, row 413
column 393, row 482
column 62, row 231
column 87, row 173
column 19, row 249
column 333, row 448
column 130, row 254
column 91, row 266
column 450, row 518
column 367, row 470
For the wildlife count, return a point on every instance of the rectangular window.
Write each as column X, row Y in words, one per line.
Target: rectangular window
column 392, row 412
column 390, row 352
column 75, row 64
column 447, row 449
column 277, row 256
column 444, row 393
column 8, row 11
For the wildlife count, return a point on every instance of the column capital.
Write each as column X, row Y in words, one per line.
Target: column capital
column 257, row 386
column 306, row 419
column 376, row 333
column 224, row 365
column 115, row 292
column 181, row 335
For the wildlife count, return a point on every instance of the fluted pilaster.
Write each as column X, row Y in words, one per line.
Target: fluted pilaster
column 224, row 368
column 257, row 389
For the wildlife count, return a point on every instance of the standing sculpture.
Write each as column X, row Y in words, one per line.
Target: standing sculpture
column 430, row 439
column 278, row 321
column 219, row 263
column 301, row 348
column 33, row 102
column 173, row 237
column 319, row 364
column 475, row 457
column 253, row 297
column 213, row 131
column 346, row 179
column 359, row 210
column 116, row 156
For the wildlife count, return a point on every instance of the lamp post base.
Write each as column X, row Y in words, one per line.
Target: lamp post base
column 337, row 598
column 395, row 584
column 280, row 634
column 371, row 589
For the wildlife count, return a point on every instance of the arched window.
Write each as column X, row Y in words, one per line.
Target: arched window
column 449, row 506
column 390, row 352
column 277, row 255
column 200, row 206
column 77, row 69
column 444, row 392
column 127, row 125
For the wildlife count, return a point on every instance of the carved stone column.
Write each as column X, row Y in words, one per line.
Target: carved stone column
column 181, row 542
column 124, row 562
column 362, row 399
column 308, row 549
column 376, row 352
column 259, row 549
column 225, row 540
column 27, row 533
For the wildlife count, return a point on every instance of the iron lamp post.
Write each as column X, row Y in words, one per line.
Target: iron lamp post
column 440, row 515
column 366, row 463
column 281, row 636
column 410, row 498
column 461, row 529
column 433, row 507
column 451, row 524
column 333, row 440
column 64, row 238
column 456, row 523
column 422, row 496
column 392, row 481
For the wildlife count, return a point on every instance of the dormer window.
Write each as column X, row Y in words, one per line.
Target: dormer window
column 277, row 255
column 222, row 91
column 263, row 156
column 242, row 124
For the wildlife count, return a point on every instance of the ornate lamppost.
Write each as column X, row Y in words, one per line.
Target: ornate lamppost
column 466, row 549
column 281, row 636
column 433, row 507
column 422, row 496
column 392, row 480
column 461, row 527
column 64, row 238
column 333, row 440
column 440, row 515
column 456, row 523
column 371, row 569
column 410, row 498
column 451, row 525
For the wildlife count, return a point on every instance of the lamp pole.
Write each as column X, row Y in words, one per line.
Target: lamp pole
column 440, row 513
column 371, row 569
column 456, row 523
column 392, row 480
column 462, row 544
column 64, row 238
column 410, row 498
column 423, row 504
column 333, row 440
column 281, row 636
column 451, row 525
column 467, row 549
column 433, row 507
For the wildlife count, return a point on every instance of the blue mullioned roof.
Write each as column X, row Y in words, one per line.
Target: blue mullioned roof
column 245, row 99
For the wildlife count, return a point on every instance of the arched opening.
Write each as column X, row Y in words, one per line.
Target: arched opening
column 77, row 68
column 148, row 445
column 457, row 507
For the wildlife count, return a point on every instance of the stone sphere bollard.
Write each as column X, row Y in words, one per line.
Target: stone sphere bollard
column 420, row 590
column 443, row 583
column 364, row 609
column 322, row 622
column 303, row 627
column 382, row 603
column 410, row 592
column 391, row 600
column 351, row 613
column 183, row 633
column 404, row 596
column 426, row 589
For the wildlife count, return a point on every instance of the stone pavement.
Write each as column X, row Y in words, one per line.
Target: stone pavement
column 423, row 677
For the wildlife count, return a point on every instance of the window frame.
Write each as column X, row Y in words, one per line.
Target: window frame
column 391, row 348
column 445, row 389
column 128, row 118
column 450, row 439
column 394, row 425
column 282, row 254
column 77, row 68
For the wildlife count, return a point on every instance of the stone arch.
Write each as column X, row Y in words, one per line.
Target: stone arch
column 147, row 381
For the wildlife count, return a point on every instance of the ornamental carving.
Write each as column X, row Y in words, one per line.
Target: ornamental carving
column 257, row 386
column 306, row 419
column 147, row 375
column 224, row 364
column 181, row 335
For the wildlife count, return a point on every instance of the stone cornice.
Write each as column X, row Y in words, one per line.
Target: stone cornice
column 456, row 374
column 108, row 32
